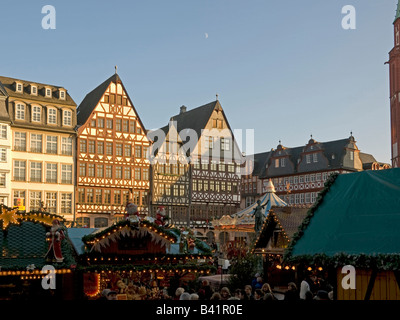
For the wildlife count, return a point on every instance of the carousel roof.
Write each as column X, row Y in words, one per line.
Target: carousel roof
column 270, row 198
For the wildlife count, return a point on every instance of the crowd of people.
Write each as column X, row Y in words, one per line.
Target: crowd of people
column 310, row 288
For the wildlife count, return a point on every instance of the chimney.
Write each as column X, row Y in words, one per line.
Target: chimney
column 183, row 109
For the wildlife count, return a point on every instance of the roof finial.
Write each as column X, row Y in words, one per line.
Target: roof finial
column 351, row 133
column 116, row 67
column 311, row 136
column 216, row 96
column 280, row 141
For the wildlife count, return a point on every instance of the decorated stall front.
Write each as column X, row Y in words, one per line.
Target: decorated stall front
column 351, row 236
column 138, row 259
column 277, row 231
column 37, row 259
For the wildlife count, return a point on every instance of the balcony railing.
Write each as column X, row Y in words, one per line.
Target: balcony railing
column 19, row 148
column 51, row 151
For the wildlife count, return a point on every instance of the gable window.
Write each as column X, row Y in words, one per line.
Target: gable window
column 100, row 122
column 20, row 112
column 34, row 90
column 225, row 145
column 308, row 158
column 209, row 142
column 92, row 146
column 36, row 113
column 52, row 116
column 62, row 94
column 19, row 87
column 276, row 163
column 109, row 124
column 283, row 162
column 351, row 155
column 48, row 92
column 138, row 151
column 315, row 157
column 67, row 118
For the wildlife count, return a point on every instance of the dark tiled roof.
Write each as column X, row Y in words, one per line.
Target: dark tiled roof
column 4, row 116
column 195, row 119
column 333, row 151
column 91, row 100
column 25, row 244
column 9, row 85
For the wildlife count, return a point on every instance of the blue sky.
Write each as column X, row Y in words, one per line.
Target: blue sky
column 286, row 69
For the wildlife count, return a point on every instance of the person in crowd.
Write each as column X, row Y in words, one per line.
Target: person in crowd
column 194, row 296
column 216, row 296
column 258, row 295
column 254, row 281
column 240, row 294
column 259, row 283
column 248, row 293
column 185, row 296
column 178, row 293
column 291, row 293
column 267, row 292
column 306, row 285
column 108, row 294
column 207, row 290
column 225, row 293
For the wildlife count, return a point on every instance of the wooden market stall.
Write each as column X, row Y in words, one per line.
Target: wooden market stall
column 37, row 260
column 277, row 231
column 355, row 222
column 137, row 258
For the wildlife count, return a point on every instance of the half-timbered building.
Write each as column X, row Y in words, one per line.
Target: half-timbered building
column 214, row 165
column 112, row 166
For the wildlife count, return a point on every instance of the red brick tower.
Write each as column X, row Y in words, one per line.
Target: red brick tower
column 394, row 78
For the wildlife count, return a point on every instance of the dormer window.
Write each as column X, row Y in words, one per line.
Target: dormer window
column 33, row 90
column 20, row 111
column 52, row 116
column 19, row 87
column 67, row 118
column 47, row 92
column 62, row 94
column 36, row 114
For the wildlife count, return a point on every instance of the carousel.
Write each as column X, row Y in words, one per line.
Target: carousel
column 236, row 232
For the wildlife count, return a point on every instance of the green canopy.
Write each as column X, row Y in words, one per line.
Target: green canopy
column 358, row 214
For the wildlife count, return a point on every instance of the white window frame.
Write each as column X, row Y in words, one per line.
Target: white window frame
column 51, row 173
column 19, row 87
column 67, row 118
column 48, row 92
column 63, row 95
column 36, row 113
column 308, row 158
column 52, row 118
column 3, row 155
column 20, row 111
column 3, row 131
column 50, row 143
column 283, row 162
column 66, row 173
column 66, row 146
column 36, row 171
column 315, row 157
column 34, row 90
